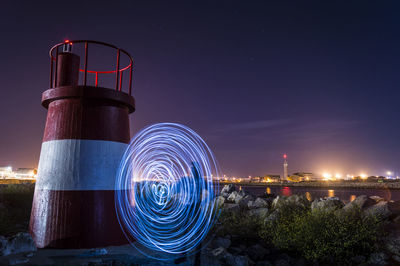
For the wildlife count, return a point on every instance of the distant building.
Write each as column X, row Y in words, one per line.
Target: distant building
column 25, row 173
column 20, row 173
column 266, row 179
column 6, row 172
column 302, row 176
column 272, row 178
column 376, row 178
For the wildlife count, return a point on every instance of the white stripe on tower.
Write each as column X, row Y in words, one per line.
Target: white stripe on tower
column 76, row 164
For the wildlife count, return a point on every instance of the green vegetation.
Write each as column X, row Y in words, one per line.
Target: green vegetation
column 245, row 227
column 15, row 206
column 326, row 237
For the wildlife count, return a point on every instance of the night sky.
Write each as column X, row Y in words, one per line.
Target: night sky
column 318, row 80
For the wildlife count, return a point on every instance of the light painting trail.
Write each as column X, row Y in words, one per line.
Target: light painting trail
column 165, row 194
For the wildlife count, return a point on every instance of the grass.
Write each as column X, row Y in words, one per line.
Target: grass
column 15, row 207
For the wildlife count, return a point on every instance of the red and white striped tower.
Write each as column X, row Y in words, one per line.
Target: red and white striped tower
column 86, row 134
column 285, row 165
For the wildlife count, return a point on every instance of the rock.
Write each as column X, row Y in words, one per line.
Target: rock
column 98, row 251
column 376, row 198
column 396, row 258
column 225, row 195
column 21, row 242
column 296, row 200
column 236, row 250
column 228, row 189
column 221, row 254
column 260, row 203
column 380, row 209
column 328, row 204
column 243, row 202
column 283, row 260
column 231, row 207
column 207, row 258
column 257, row 252
column 234, row 197
column 358, row 260
column 251, row 205
column 3, row 246
column 260, row 212
column 273, row 217
column 218, row 251
column 394, row 208
column 269, row 201
column 361, row 202
column 237, row 260
column 396, row 220
column 222, row 242
column 15, row 261
column 377, row 259
column 220, row 201
column 264, row 263
column 301, row 262
column 278, row 202
column 392, row 244
column 94, row 252
column 243, row 192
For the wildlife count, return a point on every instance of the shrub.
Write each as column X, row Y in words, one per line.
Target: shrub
column 240, row 224
column 323, row 236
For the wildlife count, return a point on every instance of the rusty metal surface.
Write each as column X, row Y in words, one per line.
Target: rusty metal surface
column 107, row 96
column 86, row 119
column 75, row 219
column 67, row 69
column 81, row 120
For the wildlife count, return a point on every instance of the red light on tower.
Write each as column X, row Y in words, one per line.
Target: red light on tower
column 284, row 156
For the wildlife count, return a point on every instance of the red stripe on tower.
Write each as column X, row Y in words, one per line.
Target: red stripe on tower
column 86, row 134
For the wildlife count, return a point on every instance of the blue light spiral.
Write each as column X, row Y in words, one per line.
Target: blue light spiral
column 164, row 192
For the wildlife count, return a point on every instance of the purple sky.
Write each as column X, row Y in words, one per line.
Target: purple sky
column 318, row 81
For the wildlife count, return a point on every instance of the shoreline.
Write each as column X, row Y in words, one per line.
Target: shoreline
column 395, row 185
column 11, row 181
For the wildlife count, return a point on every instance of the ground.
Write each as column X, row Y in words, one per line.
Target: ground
column 113, row 255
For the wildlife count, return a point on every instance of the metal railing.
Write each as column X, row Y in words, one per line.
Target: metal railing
column 119, row 72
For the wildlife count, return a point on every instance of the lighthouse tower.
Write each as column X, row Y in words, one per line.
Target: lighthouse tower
column 285, row 165
column 86, row 134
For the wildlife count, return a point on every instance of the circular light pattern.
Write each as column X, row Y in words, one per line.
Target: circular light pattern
column 164, row 192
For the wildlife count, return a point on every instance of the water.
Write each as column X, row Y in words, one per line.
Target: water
column 345, row 194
